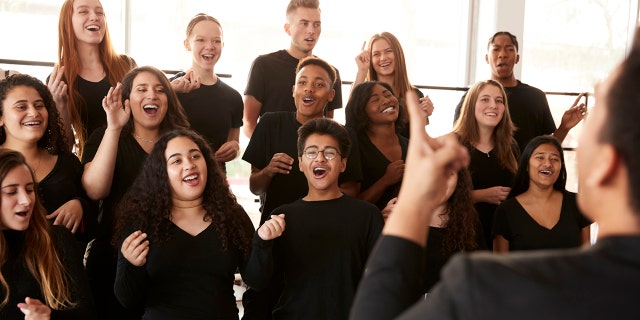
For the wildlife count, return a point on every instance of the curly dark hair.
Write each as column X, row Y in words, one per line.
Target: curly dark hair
column 53, row 140
column 175, row 117
column 461, row 219
column 147, row 204
column 356, row 110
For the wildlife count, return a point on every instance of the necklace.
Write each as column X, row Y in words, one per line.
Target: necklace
column 143, row 139
column 38, row 165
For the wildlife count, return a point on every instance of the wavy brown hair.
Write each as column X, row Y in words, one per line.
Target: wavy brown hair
column 39, row 253
column 53, row 140
column 147, row 205
column 466, row 127
column 114, row 65
column 176, row 118
column 461, row 219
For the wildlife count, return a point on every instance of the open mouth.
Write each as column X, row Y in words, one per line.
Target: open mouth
column 546, row 172
column 384, row 65
column 93, row 28
column 389, row 109
column 307, row 100
column 191, row 179
column 208, row 57
column 150, row 109
column 319, row 172
column 31, row 123
column 22, row 213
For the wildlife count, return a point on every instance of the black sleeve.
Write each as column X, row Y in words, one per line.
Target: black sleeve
column 259, row 270
column 92, row 144
column 418, row 92
column 69, row 253
column 391, row 280
column 459, row 108
column 89, row 207
column 500, row 221
column 353, row 172
column 131, row 281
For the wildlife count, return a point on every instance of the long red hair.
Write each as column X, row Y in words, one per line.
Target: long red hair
column 115, row 66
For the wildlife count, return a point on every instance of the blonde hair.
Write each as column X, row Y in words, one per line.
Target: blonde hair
column 466, row 127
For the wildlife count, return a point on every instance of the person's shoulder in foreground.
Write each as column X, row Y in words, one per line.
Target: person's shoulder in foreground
column 594, row 283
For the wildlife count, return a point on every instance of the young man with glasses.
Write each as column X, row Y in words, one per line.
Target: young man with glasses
column 321, row 242
column 273, row 155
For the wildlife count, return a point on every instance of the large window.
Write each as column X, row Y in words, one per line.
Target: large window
column 566, row 45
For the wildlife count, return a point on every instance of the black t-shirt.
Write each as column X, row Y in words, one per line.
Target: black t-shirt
column 271, row 80
column 523, row 233
column 185, row 277
column 213, row 110
column 63, row 184
column 90, row 109
column 374, row 166
column 321, row 254
column 487, row 172
column 129, row 160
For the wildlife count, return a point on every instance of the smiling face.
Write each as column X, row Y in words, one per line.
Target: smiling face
column 18, row 198
column 382, row 58
column 489, row 107
column 502, row 57
column 545, row 166
column 312, row 92
column 89, row 23
column 322, row 174
column 382, row 106
column 186, row 170
column 304, row 27
column 24, row 115
column 148, row 101
column 205, row 43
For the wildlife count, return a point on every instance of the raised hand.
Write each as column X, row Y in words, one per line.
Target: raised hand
column 186, row 83
column 272, row 228
column 58, row 88
column 430, row 166
column 280, row 163
column 574, row 114
column 135, row 248
column 362, row 59
column 117, row 114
